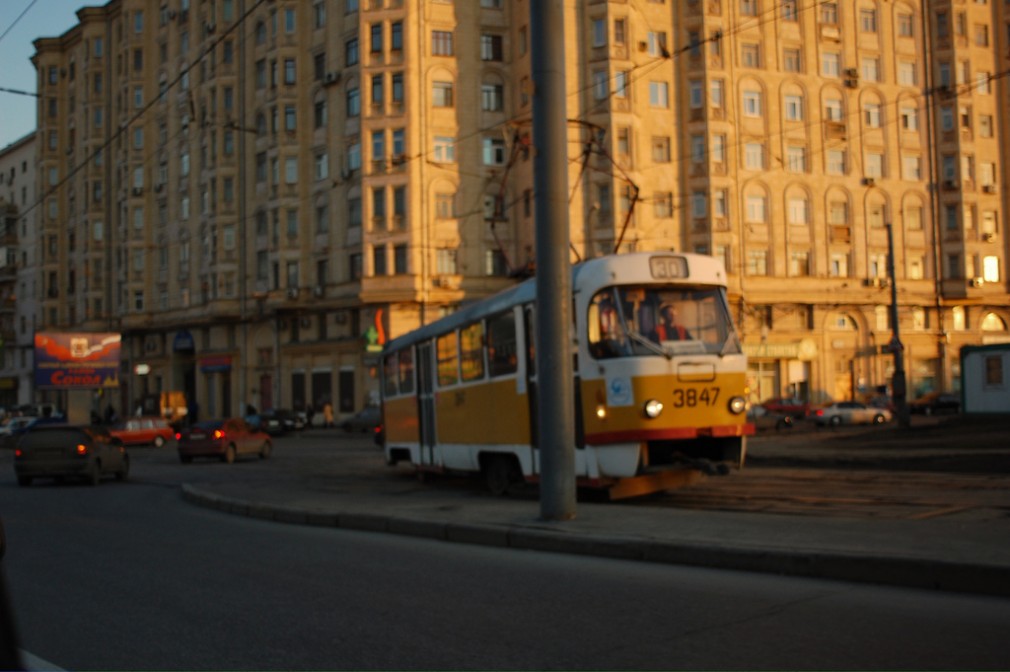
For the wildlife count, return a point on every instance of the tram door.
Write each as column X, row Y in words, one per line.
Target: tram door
column 425, row 403
column 529, row 332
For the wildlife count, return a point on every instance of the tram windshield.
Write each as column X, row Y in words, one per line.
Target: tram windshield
column 634, row 321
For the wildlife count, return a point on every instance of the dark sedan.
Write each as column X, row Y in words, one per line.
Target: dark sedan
column 281, row 421
column 65, row 451
column 222, row 439
column 368, row 419
column 936, row 402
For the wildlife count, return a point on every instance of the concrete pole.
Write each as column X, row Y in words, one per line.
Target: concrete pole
column 898, row 383
column 555, row 398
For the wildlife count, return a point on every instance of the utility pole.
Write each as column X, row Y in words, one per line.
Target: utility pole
column 555, row 398
column 898, row 387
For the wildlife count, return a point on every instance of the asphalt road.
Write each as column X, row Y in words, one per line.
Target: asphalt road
column 128, row 576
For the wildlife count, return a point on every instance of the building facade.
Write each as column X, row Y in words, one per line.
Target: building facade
column 18, row 270
column 258, row 193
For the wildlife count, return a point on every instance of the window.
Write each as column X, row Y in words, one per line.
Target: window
column 798, row 211
column 447, row 359
column 491, row 47
column 290, row 71
column 792, row 60
column 757, row 262
column 379, row 260
column 871, row 69
column 444, row 205
column 375, row 33
column 750, row 55
column 396, row 36
column 906, row 25
column 794, row 107
column 662, row 205
column 353, row 102
column 799, row 263
column 441, row 43
column 874, row 165
column 442, row 94
column 494, row 151
column 351, row 52
column 909, row 118
column 868, row 20
column 659, row 94
column 445, row 149
column 796, row 159
column 872, row 112
column 754, row 156
column 661, row 149
column 831, row 64
column 752, row 103
column 835, row 161
column 400, row 259
column 492, row 97
column 756, row 207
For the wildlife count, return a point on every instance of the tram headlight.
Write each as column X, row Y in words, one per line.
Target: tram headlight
column 737, row 405
column 653, row 408
column 601, row 412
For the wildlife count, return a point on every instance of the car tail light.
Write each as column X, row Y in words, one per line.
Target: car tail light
column 18, row 452
column 819, row 412
column 218, row 434
column 178, row 436
column 82, row 449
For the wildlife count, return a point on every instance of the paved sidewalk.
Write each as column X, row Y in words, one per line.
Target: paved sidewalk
column 945, row 553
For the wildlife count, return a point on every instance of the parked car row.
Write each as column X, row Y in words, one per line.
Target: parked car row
column 771, row 414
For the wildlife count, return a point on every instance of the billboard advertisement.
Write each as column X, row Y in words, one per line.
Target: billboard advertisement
column 76, row 361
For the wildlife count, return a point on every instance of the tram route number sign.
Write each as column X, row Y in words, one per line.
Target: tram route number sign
column 668, row 268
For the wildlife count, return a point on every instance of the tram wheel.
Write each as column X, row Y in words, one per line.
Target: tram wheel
column 500, row 473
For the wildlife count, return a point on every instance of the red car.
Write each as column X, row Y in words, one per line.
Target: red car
column 222, row 439
column 143, row 431
column 793, row 406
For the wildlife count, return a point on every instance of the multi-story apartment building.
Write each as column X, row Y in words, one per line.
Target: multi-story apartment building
column 256, row 193
column 18, row 267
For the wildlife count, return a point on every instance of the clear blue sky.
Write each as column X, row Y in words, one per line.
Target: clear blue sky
column 44, row 18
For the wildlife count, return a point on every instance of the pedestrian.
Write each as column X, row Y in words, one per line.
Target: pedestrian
column 328, row 414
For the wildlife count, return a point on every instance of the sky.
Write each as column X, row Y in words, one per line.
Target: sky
column 43, row 18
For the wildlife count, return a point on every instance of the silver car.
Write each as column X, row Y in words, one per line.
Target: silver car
column 851, row 413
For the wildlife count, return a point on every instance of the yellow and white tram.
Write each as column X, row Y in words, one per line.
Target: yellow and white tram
column 659, row 380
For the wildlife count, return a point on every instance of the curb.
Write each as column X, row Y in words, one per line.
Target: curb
column 907, row 572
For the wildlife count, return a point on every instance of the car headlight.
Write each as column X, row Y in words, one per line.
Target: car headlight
column 653, row 408
column 737, row 405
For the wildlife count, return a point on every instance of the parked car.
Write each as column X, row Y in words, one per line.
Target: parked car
column 936, row 402
column 280, row 421
column 143, row 431
column 368, row 419
column 63, row 451
column 763, row 419
column 222, row 439
column 18, row 426
column 851, row 413
column 792, row 406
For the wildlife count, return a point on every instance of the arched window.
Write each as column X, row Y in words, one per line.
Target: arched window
column 993, row 322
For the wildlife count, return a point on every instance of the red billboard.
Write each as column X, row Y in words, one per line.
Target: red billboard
column 76, row 361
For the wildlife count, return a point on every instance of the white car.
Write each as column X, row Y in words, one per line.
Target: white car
column 850, row 413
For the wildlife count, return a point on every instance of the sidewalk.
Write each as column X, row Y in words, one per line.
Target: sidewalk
column 953, row 553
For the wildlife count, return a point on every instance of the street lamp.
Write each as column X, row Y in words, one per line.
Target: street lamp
column 898, row 387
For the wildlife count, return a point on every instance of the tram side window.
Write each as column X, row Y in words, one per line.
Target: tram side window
column 448, row 360
column 471, row 345
column 389, row 375
column 501, row 344
column 406, row 371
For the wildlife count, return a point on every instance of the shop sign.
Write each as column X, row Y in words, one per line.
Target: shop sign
column 215, row 363
column 805, row 350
